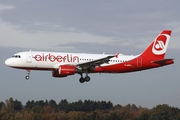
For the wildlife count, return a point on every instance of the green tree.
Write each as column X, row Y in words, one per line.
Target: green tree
column 53, row 104
column 1, row 105
column 160, row 112
column 29, row 104
column 18, row 105
column 63, row 105
column 39, row 103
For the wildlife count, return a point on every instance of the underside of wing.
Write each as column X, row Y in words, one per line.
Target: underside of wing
column 92, row 64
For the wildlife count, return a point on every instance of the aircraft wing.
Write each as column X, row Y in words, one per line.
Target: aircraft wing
column 94, row 63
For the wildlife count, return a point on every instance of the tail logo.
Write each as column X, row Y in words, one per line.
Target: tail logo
column 160, row 44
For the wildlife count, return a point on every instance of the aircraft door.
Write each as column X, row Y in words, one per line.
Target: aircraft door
column 139, row 62
column 29, row 57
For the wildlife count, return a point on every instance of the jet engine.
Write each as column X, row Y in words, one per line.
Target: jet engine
column 64, row 71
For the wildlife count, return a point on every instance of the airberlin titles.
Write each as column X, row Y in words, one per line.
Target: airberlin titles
column 56, row 58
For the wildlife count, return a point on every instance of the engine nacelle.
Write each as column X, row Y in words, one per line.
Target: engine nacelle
column 64, row 71
column 56, row 74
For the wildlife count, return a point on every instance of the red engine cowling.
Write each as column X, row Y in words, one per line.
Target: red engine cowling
column 64, row 71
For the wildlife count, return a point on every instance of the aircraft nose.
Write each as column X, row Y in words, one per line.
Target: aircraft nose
column 8, row 62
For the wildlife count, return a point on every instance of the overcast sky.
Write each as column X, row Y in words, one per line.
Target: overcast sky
column 92, row 26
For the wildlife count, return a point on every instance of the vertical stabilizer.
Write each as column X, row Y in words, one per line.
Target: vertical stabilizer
column 157, row 49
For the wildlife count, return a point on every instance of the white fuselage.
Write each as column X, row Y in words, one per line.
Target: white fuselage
column 52, row 60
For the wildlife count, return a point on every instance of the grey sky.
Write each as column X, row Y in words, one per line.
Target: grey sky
column 93, row 27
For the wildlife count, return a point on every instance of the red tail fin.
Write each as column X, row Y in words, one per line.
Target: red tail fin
column 157, row 49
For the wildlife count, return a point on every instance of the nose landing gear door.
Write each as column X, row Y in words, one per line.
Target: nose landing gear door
column 29, row 57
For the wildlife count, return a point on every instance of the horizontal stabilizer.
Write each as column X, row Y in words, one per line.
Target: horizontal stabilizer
column 163, row 61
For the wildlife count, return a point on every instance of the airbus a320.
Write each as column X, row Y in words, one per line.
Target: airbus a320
column 64, row 64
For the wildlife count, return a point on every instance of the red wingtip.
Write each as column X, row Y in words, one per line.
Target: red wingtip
column 116, row 55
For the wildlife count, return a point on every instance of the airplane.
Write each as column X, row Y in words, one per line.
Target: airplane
column 64, row 64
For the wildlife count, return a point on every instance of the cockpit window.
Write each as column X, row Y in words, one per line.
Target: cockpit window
column 16, row 56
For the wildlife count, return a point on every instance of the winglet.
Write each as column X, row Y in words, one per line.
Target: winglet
column 116, row 55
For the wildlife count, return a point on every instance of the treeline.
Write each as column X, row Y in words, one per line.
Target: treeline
column 83, row 110
column 64, row 105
